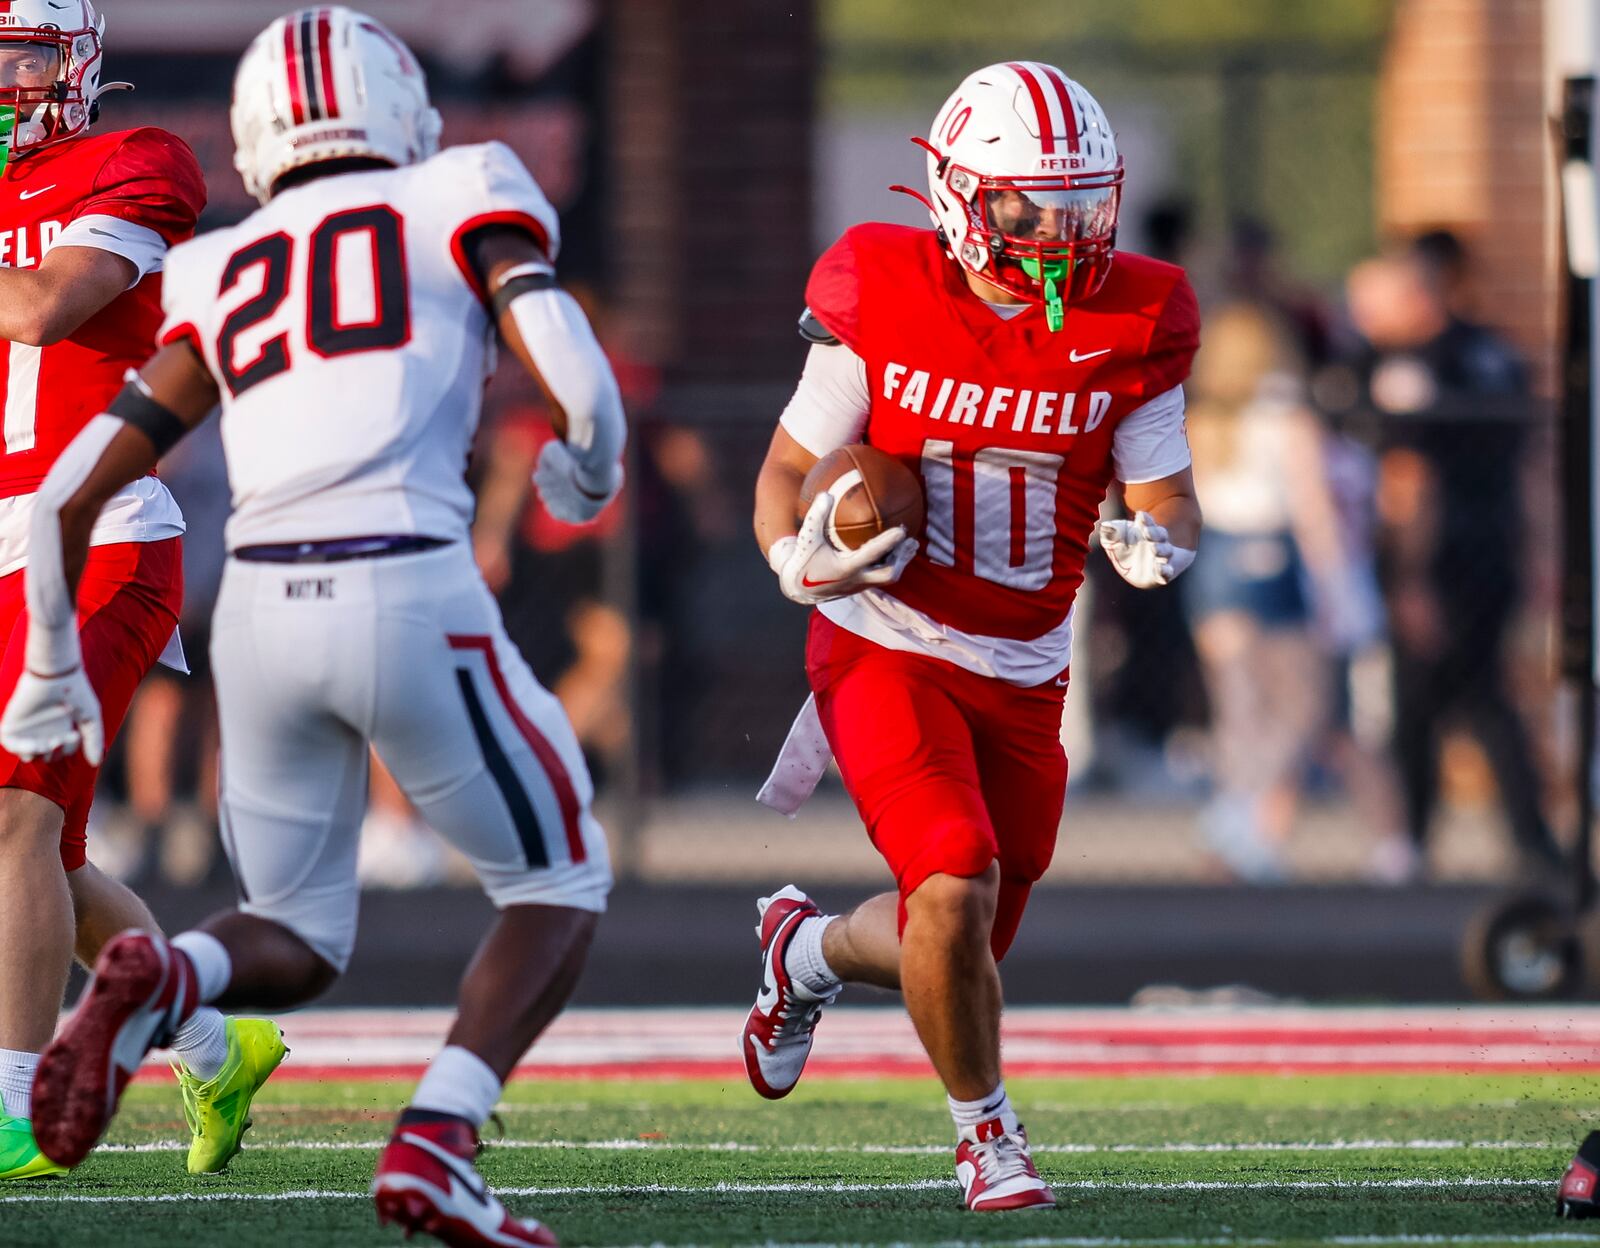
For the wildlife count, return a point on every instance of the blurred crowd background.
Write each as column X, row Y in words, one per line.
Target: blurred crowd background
column 1354, row 683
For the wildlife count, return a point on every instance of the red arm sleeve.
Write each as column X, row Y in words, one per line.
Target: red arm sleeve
column 151, row 179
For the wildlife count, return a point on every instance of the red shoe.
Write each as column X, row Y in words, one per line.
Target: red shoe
column 779, row 1029
column 996, row 1171
column 143, row 990
column 1579, row 1194
column 427, row 1182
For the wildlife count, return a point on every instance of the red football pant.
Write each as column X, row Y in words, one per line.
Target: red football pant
column 128, row 605
column 950, row 770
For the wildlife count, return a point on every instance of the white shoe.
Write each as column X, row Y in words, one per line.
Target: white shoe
column 780, row 1026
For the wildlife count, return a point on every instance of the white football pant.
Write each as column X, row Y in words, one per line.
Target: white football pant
column 313, row 662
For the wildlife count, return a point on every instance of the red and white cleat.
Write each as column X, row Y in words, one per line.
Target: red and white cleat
column 426, row 1181
column 779, row 1029
column 142, row 992
column 996, row 1172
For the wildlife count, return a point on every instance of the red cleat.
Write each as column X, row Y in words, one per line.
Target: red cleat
column 427, row 1182
column 996, row 1172
column 779, row 1028
column 1579, row 1193
column 142, row 992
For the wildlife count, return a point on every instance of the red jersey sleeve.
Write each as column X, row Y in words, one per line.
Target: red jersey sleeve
column 1175, row 340
column 151, row 179
column 834, row 292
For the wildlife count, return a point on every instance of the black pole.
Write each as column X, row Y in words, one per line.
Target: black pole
column 1578, row 623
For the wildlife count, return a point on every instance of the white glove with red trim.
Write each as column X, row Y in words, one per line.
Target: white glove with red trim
column 49, row 716
column 1142, row 551
column 564, row 489
column 811, row 569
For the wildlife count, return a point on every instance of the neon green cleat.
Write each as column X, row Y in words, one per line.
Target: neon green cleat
column 218, row 1110
column 20, row 1157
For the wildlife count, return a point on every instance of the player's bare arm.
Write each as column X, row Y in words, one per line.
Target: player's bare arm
column 43, row 306
column 542, row 325
column 778, row 489
column 54, row 709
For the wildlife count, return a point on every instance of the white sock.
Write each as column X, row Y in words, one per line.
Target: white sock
column 213, row 967
column 458, row 1082
column 984, row 1118
column 202, row 1043
column 16, row 1081
column 803, row 958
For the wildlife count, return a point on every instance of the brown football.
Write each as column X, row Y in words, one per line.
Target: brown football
column 875, row 492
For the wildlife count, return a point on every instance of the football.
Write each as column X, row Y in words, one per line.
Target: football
column 872, row 491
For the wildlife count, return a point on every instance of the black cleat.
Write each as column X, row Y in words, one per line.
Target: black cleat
column 1577, row 1196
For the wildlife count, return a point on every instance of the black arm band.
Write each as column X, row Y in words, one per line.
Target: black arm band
column 516, row 288
column 158, row 423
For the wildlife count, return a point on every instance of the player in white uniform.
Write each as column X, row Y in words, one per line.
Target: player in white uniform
column 348, row 347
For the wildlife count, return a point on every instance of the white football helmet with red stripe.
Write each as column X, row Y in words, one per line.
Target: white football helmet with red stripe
column 1025, row 183
column 328, row 84
column 66, row 108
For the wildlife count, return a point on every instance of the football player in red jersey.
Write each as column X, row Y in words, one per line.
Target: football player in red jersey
column 85, row 221
column 1019, row 365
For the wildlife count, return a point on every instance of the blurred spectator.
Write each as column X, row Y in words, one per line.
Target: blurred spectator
column 550, row 575
column 1447, row 404
column 1254, row 274
column 1275, row 580
column 1143, row 677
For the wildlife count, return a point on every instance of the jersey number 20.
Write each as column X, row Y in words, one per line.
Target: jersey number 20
column 326, row 334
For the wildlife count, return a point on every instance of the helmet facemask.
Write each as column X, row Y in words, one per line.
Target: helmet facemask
column 1045, row 238
column 46, row 88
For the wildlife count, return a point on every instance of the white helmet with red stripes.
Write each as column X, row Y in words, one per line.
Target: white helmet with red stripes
column 328, row 84
column 1025, row 183
column 66, row 35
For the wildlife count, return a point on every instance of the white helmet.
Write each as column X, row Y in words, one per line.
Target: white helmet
column 66, row 108
column 1025, row 183
column 328, row 84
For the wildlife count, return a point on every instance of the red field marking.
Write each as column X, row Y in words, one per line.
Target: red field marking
column 879, row 1043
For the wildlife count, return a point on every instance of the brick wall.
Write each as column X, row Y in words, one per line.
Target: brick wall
column 711, row 107
column 1463, row 142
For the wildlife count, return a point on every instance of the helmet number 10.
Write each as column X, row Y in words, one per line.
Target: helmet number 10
column 1007, row 497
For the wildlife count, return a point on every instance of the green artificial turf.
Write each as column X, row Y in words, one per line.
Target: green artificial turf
column 1226, row 1159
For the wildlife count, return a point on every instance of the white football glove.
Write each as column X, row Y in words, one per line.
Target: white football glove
column 568, row 493
column 53, row 715
column 1142, row 551
column 811, row 569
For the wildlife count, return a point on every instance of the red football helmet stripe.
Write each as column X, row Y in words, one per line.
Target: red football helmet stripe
column 1069, row 117
column 330, row 94
column 1041, row 107
column 291, row 57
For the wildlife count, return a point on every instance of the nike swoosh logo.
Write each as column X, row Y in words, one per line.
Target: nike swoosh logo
column 33, row 194
column 1087, row 355
column 1062, row 684
column 101, row 233
column 810, row 584
column 469, row 1178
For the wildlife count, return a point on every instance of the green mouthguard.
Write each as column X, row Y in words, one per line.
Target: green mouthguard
column 8, row 130
column 1054, row 275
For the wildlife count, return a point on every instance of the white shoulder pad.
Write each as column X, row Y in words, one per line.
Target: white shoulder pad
column 499, row 189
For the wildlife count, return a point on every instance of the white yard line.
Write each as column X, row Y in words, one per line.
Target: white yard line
column 891, row 1150
column 739, row 1189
